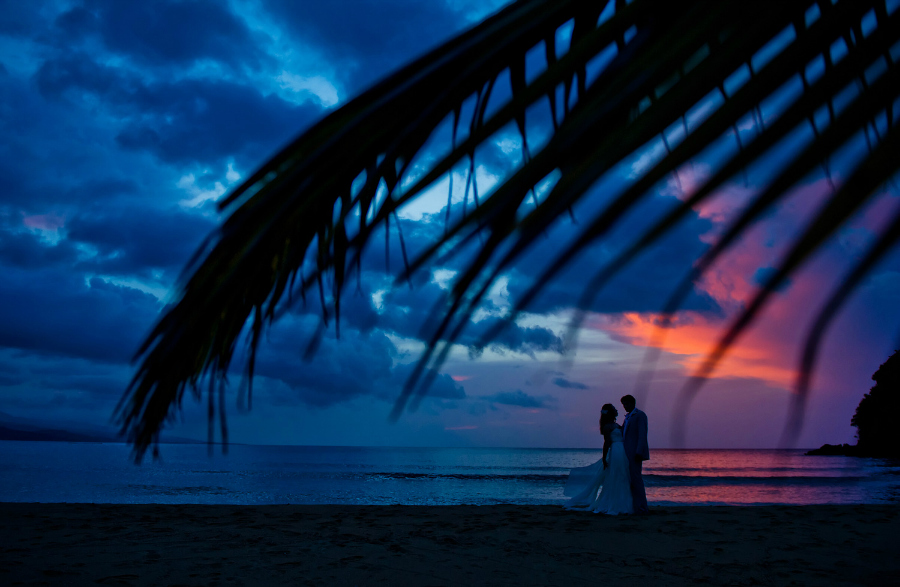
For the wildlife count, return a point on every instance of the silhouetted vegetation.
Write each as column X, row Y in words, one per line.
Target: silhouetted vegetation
column 876, row 417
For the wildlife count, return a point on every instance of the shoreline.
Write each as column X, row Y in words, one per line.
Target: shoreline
column 86, row 544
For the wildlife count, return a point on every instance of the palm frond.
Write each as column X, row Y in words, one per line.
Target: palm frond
column 827, row 313
column 880, row 166
column 316, row 205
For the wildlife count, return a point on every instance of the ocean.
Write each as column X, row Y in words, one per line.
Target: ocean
column 103, row 473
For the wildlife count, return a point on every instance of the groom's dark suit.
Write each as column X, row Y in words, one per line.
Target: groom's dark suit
column 637, row 451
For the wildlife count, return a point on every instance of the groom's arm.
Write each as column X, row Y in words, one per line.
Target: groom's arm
column 643, row 449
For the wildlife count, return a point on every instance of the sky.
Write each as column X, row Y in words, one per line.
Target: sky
column 124, row 122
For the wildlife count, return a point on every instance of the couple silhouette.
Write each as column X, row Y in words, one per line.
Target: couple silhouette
column 614, row 484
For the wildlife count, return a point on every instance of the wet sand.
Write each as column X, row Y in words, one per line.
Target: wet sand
column 84, row 544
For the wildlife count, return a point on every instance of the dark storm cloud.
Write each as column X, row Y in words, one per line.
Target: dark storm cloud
column 136, row 241
column 164, row 33
column 519, row 399
column 20, row 18
column 56, row 154
column 60, row 383
column 11, row 372
column 79, row 72
column 9, row 380
column 51, row 319
column 365, row 39
column 94, row 189
column 340, row 370
column 128, row 242
column 442, row 387
column 357, row 364
column 54, row 316
column 55, row 312
column 200, row 121
column 26, row 251
column 183, row 121
column 23, row 119
column 644, row 285
column 108, row 387
column 356, row 309
column 523, row 339
column 567, row 384
column 409, row 313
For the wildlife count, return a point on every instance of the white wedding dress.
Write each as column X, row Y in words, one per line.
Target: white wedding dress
column 613, row 482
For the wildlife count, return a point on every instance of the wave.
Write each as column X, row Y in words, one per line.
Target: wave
column 649, row 479
column 466, row 476
column 687, row 480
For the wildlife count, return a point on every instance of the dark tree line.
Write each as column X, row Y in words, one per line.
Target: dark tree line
column 875, row 418
column 876, row 415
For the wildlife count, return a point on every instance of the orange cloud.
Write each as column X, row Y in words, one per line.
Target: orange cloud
column 768, row 350
column 692, row 336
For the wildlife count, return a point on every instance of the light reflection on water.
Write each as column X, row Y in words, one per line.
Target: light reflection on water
column 102, row 473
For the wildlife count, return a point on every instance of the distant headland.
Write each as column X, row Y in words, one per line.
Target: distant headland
column 876, row 417
column 17, row 428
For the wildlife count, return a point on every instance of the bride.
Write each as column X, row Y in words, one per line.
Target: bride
column 610, row 474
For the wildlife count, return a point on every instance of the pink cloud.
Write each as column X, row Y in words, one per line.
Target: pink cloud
column 44, row 221
column 769, row 350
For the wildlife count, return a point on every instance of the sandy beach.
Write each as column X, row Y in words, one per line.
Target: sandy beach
column 85, row 544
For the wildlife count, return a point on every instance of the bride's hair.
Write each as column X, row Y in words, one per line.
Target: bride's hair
column 608, row 415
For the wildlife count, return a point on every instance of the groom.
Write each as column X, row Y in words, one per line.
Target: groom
column 637, row 451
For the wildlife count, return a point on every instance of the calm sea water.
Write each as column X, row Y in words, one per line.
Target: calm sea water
column 103, row 473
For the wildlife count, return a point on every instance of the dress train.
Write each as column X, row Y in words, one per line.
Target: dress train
column 612, row 481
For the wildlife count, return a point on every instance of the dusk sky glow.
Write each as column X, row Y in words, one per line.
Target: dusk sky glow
column 123, row 123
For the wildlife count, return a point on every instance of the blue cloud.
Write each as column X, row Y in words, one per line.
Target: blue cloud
column 25, row 250
column 183, row 121
column 358, row 364
column 205, row 122
column 520, row 399
column 567, row 384
column 54, row 311
column 133, row 241
column 364, row 39
column 642, row 286
column 21, row 18
column 164, row 33
column 51, row 168
column 409, row 313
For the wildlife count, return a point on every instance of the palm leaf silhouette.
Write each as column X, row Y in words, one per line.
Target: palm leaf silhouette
column 627, row 77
